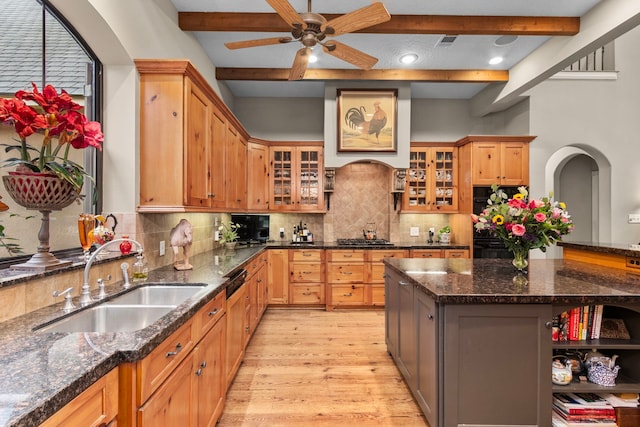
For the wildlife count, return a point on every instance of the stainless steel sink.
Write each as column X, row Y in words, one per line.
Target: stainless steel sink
column 157, row 295
column 110, row 318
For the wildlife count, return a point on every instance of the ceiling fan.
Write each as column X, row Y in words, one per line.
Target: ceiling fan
column 311, row 28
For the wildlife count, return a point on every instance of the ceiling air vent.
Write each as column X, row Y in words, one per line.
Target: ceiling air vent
column 446, row 40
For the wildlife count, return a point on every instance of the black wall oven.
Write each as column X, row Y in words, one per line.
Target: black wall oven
column 484, row 244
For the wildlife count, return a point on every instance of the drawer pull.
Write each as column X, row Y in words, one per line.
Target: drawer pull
column 348, row 295
column 307, row 272
column 347, row 255
column 348, row 273
column 403, row 283
column 177, row 350
column 306, row 294
column 213, row 312
column 306, row 254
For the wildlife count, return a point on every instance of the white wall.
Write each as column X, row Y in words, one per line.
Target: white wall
column 604, row 115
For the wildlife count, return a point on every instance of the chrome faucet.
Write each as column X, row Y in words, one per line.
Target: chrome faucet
column 85, row 296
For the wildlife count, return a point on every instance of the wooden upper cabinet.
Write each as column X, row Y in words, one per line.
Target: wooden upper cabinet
column 501, row 160
column 296, row 178
column 193, row 151
column 257, row 177
column 432, row 179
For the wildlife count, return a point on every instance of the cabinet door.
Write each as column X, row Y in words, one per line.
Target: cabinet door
column 514, row 163
column 415, row 195
column 479, row 373
column 236, row 335
column 392, row 312
column 281, row 183
column 444, row 175
column 171, row 404
column 310, row 191
column 198, row 137
column 485, row 167
column 210, row 375
column 218, row 160
column 95, row 406
column 257, row 177
column 426, row 321
column 407, row 351
column 278, row 276
column 236, row 169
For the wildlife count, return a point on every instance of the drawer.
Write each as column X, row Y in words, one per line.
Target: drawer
column 347, row 295
column 376, row 273
column 299, row 272
column 157, row 366
column 307, row 294
column 209, row 315
column 306, row 255
column 456, row 253
column 426, row 253
column 345, row 273
column 255, row 264
column 377, row 295
column 345, row 255
column 376, row 255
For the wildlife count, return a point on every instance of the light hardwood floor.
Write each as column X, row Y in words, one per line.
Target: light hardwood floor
column 318, row 368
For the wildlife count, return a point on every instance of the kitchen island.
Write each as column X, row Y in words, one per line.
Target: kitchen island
column 473, row 339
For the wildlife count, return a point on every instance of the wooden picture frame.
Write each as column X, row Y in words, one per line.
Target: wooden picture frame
column 367, row 120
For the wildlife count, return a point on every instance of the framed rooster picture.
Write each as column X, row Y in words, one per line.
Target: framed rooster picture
column 367, row 119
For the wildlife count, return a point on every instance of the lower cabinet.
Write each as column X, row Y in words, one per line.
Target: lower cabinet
column 96, row 406
column 237, row 332
column 469, row 364
column 210, row 378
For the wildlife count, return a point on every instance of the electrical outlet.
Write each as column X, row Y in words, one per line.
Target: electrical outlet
column 282, row 232
column 634, row 218
column 414, row 231
column 216, row 235
column 161, row 248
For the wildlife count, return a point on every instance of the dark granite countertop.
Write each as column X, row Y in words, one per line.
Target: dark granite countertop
column 393, row 245
column 624, row 249
column 41, row 372
column 495, row 281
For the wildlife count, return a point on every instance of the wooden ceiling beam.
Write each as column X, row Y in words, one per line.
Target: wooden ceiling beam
column 441, row 76
column 399, row 24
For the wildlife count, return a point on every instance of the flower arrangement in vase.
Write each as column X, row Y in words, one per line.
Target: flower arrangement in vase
column 61, row 125
column 522, row 223
column 229, row 233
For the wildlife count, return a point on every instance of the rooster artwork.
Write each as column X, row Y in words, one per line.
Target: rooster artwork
column 368, row 121
column 356, row 118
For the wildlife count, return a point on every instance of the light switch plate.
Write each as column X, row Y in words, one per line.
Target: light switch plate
column 161, row 251
column 414, row 231
column 634, row 218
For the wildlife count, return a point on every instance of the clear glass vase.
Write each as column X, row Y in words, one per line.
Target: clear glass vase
column 520, row 258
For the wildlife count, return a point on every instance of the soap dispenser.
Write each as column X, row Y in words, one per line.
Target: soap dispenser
column 140, row 270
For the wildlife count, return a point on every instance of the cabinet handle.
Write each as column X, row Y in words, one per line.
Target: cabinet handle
column 177, row 350
column 306, row 254
column 211, row 195
column 246, row 329
column 430, row 316
column 348, row 295
column 202, row 366
column 306, row 272
column 548, row 325
column 306, row 294
column 403, row 283
column 213, row 312
column 347, row 255
column 347, row 273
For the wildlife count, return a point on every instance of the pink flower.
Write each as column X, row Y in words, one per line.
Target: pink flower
column 474, row 218
column 534, row 204
column 518, row 229
column 515, row 203
column 540, row 217
column 556, row 213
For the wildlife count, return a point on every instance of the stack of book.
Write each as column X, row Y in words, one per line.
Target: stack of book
column 582, row 410
column 579, row 323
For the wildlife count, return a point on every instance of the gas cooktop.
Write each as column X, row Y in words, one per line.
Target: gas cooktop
column 360, row 242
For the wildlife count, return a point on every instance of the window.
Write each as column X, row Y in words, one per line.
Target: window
column 39, row 46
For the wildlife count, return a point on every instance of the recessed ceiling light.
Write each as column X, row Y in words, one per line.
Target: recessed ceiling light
column 312, row 59
column 505, row 40
column 495, row 60
column 409, row 58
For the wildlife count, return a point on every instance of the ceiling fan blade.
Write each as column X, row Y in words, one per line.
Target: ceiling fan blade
column 361, row 18
column 350, row 54
column 258, row 42
column 287, row 12
column 300, row 63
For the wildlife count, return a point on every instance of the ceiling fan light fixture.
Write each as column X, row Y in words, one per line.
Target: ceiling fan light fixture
column 496, row 60
column 313, row 59
column 409, row 58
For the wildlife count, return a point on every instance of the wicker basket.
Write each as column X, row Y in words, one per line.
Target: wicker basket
column 39, row 191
